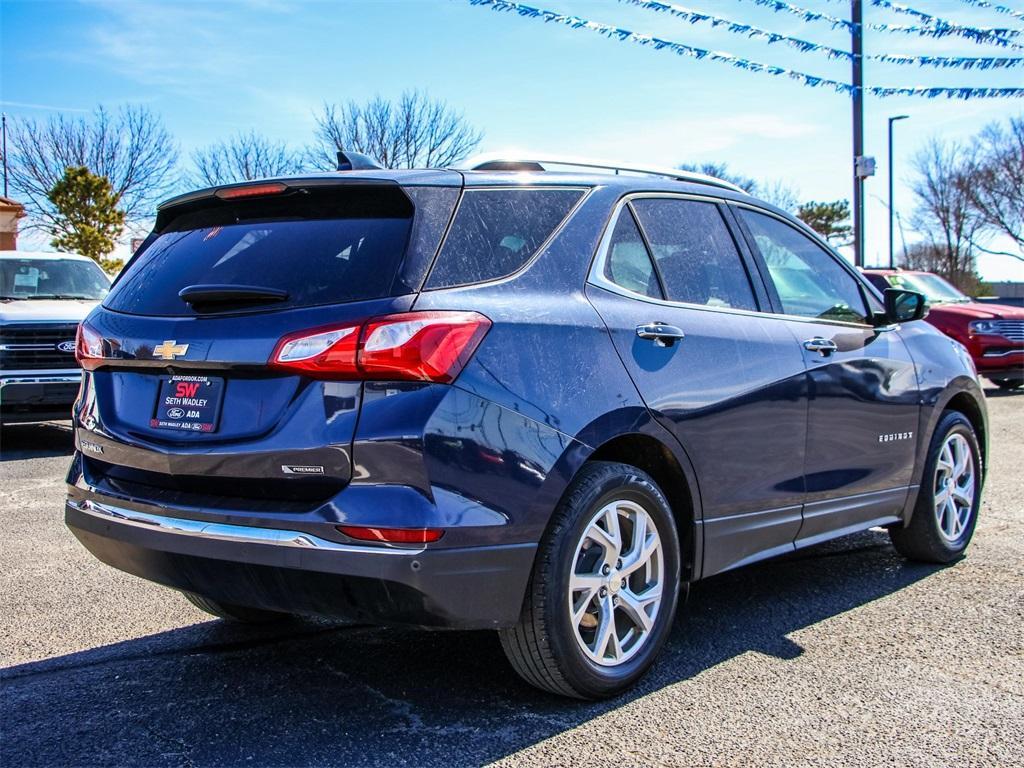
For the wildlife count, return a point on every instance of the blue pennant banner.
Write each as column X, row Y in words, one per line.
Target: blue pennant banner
column 995, row 7
column 681, row 49
column 804, row 46
column 942, row 28
column 936, row 28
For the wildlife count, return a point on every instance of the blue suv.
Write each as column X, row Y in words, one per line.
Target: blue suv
column 537, row 401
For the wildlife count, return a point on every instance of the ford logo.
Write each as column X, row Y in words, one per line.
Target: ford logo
column 66, row 346
column 175, row 413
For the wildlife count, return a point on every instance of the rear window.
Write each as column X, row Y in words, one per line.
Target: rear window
column 497, row 231
column 320, row 247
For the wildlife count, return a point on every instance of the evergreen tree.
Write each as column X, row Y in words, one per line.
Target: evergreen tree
column 87, row 219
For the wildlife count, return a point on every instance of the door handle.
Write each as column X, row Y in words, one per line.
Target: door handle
column 823, row 346
column 660, row 333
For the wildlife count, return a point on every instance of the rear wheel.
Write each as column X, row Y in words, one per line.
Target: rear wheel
column 237, row 613
column 947, row 504
column 603, row 592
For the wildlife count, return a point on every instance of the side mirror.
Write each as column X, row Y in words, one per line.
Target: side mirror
column 903, row 306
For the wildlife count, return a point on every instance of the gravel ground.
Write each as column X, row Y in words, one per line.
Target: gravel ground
column 840, row 655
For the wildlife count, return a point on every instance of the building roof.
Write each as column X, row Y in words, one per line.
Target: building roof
column 10, row 204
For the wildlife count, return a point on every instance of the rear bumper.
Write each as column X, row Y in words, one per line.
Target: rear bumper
column 38, row 396
column 300, row 572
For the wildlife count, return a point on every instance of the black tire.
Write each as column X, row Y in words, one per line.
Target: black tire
column 543, row 647
column 237, row 613
column 922, row 539
column 1008, row 384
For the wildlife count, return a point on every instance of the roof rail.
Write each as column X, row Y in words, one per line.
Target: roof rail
column 498, row 161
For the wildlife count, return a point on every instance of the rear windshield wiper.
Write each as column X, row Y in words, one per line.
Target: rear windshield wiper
column 230, row 294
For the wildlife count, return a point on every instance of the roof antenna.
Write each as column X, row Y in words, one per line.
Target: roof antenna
column 356, row 161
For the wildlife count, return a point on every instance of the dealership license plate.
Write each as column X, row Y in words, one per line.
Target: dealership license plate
column 190, row 403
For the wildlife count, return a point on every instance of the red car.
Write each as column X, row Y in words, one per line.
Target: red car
column 992, row 333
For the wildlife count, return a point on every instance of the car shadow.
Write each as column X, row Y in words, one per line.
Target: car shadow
column 313, row 693
column 36, row 441
column 995, row 392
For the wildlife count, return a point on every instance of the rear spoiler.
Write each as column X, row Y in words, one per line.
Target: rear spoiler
column 213, row 196
column 425, row 238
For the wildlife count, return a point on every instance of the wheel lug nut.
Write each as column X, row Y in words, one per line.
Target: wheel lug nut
column 606, row 569
column 604, row 592
column 618, row 563
column 623, row 583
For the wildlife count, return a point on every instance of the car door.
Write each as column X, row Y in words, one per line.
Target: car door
column 676, row 295
column 863, row 394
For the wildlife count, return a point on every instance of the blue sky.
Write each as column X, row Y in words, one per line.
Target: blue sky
column 214, row 68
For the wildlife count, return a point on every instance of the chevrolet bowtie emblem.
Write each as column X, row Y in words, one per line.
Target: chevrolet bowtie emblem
column 169, row 350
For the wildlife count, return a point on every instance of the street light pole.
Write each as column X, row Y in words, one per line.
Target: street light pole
column 892, row 259
column 857, row 46
column 5, row 151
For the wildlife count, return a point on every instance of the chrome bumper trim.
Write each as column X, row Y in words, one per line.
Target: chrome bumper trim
column 1007, row 353
column 42, row 379
column 244, row 534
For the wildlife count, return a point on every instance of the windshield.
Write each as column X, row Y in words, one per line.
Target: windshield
column 934, row 288
column 52, row 279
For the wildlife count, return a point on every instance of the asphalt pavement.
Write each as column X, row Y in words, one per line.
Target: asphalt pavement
column 844, row 654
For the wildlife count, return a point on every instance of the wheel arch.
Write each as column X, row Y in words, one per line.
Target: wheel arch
column 963, row 402
column 965, row 396
column 657, row 459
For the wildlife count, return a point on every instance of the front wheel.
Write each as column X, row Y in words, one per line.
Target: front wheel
column 604, row 588
column 947, row 503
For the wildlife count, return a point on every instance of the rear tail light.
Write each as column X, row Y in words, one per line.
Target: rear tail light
column 88, row 347
column 392, row 535
column 417, row 346
column 328, row 353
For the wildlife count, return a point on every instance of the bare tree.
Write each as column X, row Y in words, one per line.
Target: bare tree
column 721, row 171
column 930, row 257
column 996, row 185
column 776, row 192
column 780, row 194
column 944, row 213
column 131, row 148
column 244, row 157
column 413, row 132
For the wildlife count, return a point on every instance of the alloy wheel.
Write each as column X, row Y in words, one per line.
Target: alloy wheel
column 615, row 588
column 954, row 487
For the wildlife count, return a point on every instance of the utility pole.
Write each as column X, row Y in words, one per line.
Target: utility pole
column 5, row 152
column 857, row 33
column 892, row 205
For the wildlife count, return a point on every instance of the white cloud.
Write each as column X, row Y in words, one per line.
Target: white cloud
column 668, row 141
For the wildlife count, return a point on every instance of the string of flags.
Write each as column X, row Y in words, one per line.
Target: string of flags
column 804, row 46
column 995, row 7
column 982, row 35
column 936, row 27
column 682, row 49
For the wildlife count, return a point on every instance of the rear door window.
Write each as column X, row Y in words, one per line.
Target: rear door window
column 696, row 256
column 497, row 231
column 629, row 263
column 319, row 247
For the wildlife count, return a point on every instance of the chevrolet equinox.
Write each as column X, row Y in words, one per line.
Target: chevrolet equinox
column 536, row 401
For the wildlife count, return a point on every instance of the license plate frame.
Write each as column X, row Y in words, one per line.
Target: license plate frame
column 189, row 403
